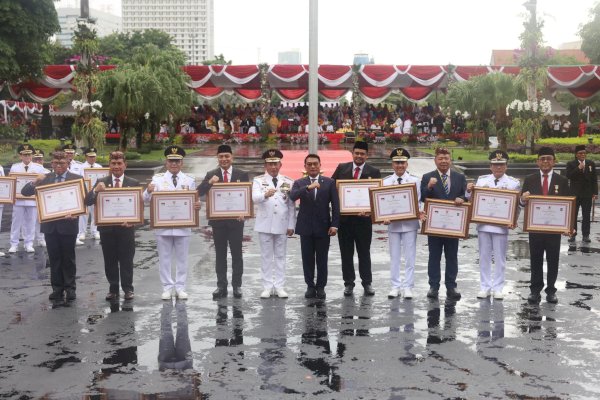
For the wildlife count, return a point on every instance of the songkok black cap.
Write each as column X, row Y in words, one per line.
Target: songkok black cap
column 224, row 148
column 579, row 147
column 399, row 154
column 360, row 144
column 498, row 157
column 272, row 155
column 546, row 151
column 174, row 153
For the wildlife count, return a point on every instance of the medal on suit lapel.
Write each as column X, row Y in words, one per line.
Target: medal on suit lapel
column 555, row 189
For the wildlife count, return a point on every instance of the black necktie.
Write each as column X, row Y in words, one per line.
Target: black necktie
column 175, row 180
column 26, row 168
column 275, row 181
column 58, row 178
column 400, row 181
column 496, row 182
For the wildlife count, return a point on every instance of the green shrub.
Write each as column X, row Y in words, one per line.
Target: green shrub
column 132, row 155
column 9, row 132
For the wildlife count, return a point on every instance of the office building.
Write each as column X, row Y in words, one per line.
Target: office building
column 105, row 23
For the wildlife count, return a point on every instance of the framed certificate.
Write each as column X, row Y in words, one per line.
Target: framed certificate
column 230, row 201
column 8, row 188
column 93, row 174
column 495, row 206
column 116, row 206
column 354, row 195
column 174, row 209
column 22, row 180
column 446, row 219
column 57, row 200
column 549, row 214
column 88, row 184
column 394, row 203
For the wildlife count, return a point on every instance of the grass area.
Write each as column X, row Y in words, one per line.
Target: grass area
column 459, row 154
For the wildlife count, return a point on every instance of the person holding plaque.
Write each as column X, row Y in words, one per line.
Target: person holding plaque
column 275, row 220
column 356, row 229
column 493, row 239
column 117, row 241
column 60, row 234
column 228, row 231
column 38, row 158
column 402, row 234
column 315, row 224
column 584, row 185
column 546, row 182
column 24, row 212
column 172, row 243
column 90, row 162
column 443, row 184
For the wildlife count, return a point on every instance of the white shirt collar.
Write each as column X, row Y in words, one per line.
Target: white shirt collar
column 549, row 174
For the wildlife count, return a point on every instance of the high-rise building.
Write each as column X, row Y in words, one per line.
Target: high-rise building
column 289, row 57
column 362, row 59
column 67, row 18
column 189, row 22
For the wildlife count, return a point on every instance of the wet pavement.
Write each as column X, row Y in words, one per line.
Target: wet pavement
column 339, row 348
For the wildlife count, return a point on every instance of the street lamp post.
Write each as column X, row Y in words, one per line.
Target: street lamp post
column 313, row 83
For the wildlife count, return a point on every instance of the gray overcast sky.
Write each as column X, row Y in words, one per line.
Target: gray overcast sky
column 461, row 32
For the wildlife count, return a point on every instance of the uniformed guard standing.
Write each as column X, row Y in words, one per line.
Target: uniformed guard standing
column 90, row 162
column 583, row 181
column 276, row 218
column 402, row 234
column 172, row 243
column 493, row 239
column 38, row 158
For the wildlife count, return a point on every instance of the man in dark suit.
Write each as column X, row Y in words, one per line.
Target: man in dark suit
column 118, row 241
column 546, row 182
column 356, row 228
column 583, row 182
column 443, row 184
column 60, row 234
column 315, row 224
column 230, row 231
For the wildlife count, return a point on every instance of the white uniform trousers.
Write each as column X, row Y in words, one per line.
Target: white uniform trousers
column 39, row 236
column 83, row 220
column 492, row 245
column 170, row 247
column 273, row 250
column 23, row 217
column 402, row 243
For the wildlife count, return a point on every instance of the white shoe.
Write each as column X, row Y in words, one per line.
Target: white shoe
column 96, row 235
column 79, row 242
column 182, row 295
column 13, row 249
column 42, row 243
column 282, row 294
column 29, row 249
column 408, row 294
column 2, row 254
column 498, row 295
column 483, row 294
column 81, row 237
column 393, row 293
column 166, row 295
column 265, row 294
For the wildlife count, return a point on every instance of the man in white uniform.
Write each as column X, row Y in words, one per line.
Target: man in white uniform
column 275, row 220
column 493, row 240
column 90, row 162
column 402, row 234
column 74, row 165
column 38, row 158
column 172, row 243
column 24, row 211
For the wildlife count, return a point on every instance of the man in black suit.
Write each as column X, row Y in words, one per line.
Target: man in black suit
column 443, row 184
column 229, row 231
column 546, row 182
column 315, row 224
column 118, row 241
column 356, row 228
column 60, row 234
column 583, row 182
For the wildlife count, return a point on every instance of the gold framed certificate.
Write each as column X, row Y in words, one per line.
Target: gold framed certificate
column 115, row 206
column 174, row 209
column 394, row 203
column 8, row 189
column 57, row 200
column 495, row 206
column 93, row 174
column 354, row 195
column 230, row 201
column 22, row 180
column 446, row 219
column 550, row 214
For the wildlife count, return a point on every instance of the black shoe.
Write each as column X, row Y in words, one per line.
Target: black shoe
column 452, row 294
column 348, row 290
column 369, row 291
column 572, row 239
column 432, row 293
column 219, row 293
column 551, row 298
column 534, row 298
column 586, row 239
column 71, row 295
column 110, row 296
column 310, row 293
column 321, row 293
column 237, row 292
column 56, row 295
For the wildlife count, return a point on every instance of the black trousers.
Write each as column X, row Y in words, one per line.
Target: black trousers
column 356, row 230
column 223, row 236
column 61, row 252
column 538, row 244
column 118, row 249
column 586, row 213
column 314, row 249
column 449, row 246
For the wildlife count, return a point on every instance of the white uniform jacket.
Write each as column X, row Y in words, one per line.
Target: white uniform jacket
column 33, row 168
column 164, row 182
column 487, row 181
column 76, row 167
column 277, row 213
column 408, row 225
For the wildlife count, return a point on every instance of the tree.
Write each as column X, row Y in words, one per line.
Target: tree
column 590, row 35
column 218, row 60
column 120, row 46
column 25, row 27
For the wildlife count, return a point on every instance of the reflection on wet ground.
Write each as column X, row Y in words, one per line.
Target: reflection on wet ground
column 343, row 347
